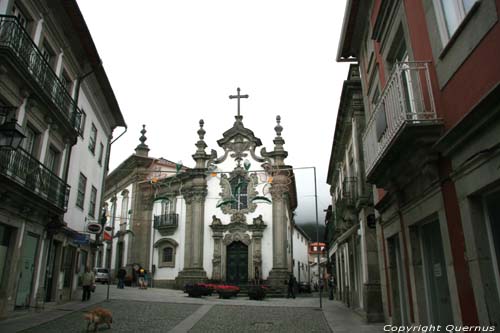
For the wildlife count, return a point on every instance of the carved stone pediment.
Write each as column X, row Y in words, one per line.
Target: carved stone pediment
column 237, row 237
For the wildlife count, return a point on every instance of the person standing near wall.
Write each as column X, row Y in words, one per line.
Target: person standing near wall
column 88, row 281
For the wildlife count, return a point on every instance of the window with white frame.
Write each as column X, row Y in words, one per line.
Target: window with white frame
column 22, row 17
column 450, row 14
column 166, row 252
column 93, row 199
column 82, row 184
column 101, row 153
column 93, row 138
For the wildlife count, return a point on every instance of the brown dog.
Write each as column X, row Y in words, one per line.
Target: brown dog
column 98, row 316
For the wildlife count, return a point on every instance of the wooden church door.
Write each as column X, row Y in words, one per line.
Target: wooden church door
column 237, row 263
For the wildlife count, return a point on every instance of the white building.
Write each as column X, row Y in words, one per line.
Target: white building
column 53, row 84
column 228, row 218
column 121, row 203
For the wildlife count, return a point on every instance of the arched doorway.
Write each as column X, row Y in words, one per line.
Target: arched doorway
column 237, row 263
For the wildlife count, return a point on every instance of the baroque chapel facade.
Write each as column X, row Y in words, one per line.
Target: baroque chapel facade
column 230, row 218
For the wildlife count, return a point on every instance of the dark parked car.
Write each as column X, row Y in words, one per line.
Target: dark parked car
column 304, row 287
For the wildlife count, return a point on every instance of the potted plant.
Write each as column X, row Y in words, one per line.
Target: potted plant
column 196, row 290
column 257, row 293
column 227, row 291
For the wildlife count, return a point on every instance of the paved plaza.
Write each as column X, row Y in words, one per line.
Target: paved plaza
column 162, row 310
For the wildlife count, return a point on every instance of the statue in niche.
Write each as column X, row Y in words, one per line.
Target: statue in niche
column 216, row 220
column 258, row 220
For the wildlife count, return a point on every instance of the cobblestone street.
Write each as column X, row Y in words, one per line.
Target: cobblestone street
column 164, row 310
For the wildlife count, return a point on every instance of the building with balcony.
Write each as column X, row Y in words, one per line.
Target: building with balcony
column 430, row 86
column 229, row 218
column 351, row 234
column 51, row 84
column 128, row 231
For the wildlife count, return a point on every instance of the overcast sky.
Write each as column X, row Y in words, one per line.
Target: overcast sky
column 172, row 63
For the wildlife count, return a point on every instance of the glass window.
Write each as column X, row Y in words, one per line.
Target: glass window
column 21, row 16
column 93, row 197
column 168, row 254
column 31, row 140
column 450, row 14
column 53, row 158
column 93, row 138
column 48, row 54
column 101, row 153
column 67, row 82
column 82, row 123
column 239, row 191
column 82, row 184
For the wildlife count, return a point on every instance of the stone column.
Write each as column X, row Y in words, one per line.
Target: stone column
column 139, row 246
column 257, row 255
column 372, row 293
column 198, row 223
column 217, row 259
column 279, row 272
column 195, row 223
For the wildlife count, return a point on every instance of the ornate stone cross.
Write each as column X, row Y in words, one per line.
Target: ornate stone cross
column 238, row 96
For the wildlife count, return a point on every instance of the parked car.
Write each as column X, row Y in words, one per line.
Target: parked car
column 101, row 275
column 304, row 287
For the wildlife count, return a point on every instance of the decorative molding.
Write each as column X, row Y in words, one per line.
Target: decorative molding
column 226, row 193
column 237, row 237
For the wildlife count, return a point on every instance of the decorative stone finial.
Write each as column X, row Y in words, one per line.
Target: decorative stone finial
column 143, row 137
column 201, row 131
column 200, row 156
column 278, row 127
column 142, row 149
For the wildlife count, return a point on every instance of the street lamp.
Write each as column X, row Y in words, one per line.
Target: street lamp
column 11, row 133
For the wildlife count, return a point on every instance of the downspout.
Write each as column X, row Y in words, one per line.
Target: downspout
column 78, row 83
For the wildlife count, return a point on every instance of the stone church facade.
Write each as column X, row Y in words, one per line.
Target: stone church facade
column 230, row 218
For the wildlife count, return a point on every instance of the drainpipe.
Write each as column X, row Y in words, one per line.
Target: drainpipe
column 103, row 183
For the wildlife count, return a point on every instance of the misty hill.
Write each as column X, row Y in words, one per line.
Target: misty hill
column 310, row 230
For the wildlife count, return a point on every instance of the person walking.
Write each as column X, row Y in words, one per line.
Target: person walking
column 140, row 279
column 121, row 278
column 291, row 286
column 88, row 281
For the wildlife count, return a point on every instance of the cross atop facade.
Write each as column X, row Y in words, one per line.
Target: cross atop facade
column 238, row 96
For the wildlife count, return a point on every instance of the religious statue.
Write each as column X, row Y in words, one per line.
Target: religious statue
column 216, row 220
column 258, row 220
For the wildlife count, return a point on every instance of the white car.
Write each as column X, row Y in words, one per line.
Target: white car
column 101, row 274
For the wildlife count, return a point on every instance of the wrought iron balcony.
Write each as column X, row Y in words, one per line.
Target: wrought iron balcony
column 17, row 43
column 25, row 170
column 406, row 102
column 166, row 224
column 349, row 191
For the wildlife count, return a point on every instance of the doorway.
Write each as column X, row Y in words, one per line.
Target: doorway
column 237, row 263
column 27, row 271
column 436, row 277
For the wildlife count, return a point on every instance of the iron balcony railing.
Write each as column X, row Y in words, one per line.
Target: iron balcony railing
column 14, row 39
column 24, row 169
column 406, row 99
column 166, row 220
column 349, row 190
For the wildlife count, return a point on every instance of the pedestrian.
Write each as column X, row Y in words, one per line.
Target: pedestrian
column 140, row 279
column 121, row 278
column 330, row 287
column 291, row 286
column 146, row 279
column 88, row 281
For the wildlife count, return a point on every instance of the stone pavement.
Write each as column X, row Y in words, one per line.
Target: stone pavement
column 164, row 310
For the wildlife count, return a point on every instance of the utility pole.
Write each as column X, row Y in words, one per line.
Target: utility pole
column 111, row 251
column 317, row 237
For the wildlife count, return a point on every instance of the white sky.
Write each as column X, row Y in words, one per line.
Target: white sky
column 172, row 63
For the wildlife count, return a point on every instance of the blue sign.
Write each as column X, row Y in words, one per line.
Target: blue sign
column 82, row 239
